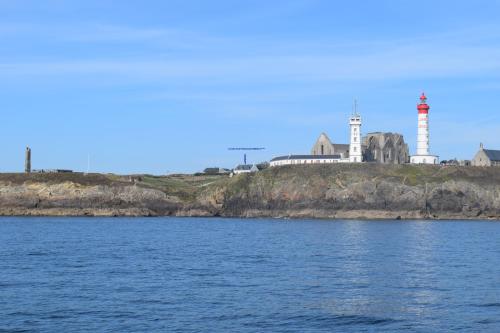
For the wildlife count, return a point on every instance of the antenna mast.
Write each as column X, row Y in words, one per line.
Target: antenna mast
column 245, row 148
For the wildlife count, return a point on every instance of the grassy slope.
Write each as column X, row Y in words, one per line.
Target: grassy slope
column 56, row 178
column 407, row 174
column 185, row 187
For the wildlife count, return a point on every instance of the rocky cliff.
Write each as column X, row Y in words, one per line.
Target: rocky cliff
column 319, row 191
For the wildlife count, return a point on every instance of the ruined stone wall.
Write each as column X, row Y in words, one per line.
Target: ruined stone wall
column 387, row 148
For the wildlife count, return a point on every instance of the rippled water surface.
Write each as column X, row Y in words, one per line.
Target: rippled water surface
column 232, row 275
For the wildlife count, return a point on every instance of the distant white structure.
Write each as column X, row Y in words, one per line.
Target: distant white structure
column 355, row 152
column 245, row 168
column 423, row 155
column 307, row 159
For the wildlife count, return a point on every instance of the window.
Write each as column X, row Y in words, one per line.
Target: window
column 322, row 150
column 355, row 138
column 355, row 149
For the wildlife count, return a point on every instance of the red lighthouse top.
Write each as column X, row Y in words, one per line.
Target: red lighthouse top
column 423, row 107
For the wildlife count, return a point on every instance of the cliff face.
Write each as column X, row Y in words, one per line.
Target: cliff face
column 78, row 194
column 322, row 191
column 366, row 190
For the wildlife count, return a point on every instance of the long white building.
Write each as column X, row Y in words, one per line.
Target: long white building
column 307, row 159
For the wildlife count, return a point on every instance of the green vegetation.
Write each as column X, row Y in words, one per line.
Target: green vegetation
column 185, row 187
column 56, row 178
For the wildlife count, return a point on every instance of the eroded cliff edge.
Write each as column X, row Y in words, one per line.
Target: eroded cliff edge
column 318, row 191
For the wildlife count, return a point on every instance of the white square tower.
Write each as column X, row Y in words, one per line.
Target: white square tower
column 355, row 153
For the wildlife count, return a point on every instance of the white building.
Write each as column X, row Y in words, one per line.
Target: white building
column 245, row 168
column 355, row 153
column 423, row 155
column 306, row 159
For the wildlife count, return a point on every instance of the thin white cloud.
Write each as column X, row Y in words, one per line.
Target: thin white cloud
column 394, row 63
column 212, row 59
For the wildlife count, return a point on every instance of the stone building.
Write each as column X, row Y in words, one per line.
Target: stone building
column 376, row 147
column 324, row 146
column 389, row 148
column 486, row 157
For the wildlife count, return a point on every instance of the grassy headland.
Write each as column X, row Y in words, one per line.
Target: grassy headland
column 322, row 191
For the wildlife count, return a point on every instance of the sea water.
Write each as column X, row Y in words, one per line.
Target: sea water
column 248, row 275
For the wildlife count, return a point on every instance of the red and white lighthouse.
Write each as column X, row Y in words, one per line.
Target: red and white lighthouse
column 423, row 155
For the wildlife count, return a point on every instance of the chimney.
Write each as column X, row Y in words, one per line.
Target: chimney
column 481, row 146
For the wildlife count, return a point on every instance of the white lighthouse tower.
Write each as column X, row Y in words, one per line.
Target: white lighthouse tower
column 423, row 155
column 355, row 153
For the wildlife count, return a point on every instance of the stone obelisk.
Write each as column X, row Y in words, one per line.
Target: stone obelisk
column 27, row 161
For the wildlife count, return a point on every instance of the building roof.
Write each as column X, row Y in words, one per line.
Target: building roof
column 340, row 146
column 324, row 136
column 305, row 157
column 216, row 170
column 493, row 155
column 244, row 167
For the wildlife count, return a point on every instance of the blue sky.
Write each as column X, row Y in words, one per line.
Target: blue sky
column 166, row 86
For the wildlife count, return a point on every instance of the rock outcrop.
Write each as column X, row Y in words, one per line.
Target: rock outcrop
column 316, row 191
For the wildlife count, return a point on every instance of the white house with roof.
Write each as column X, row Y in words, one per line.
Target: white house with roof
column 245, row 168
column 306, row 159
